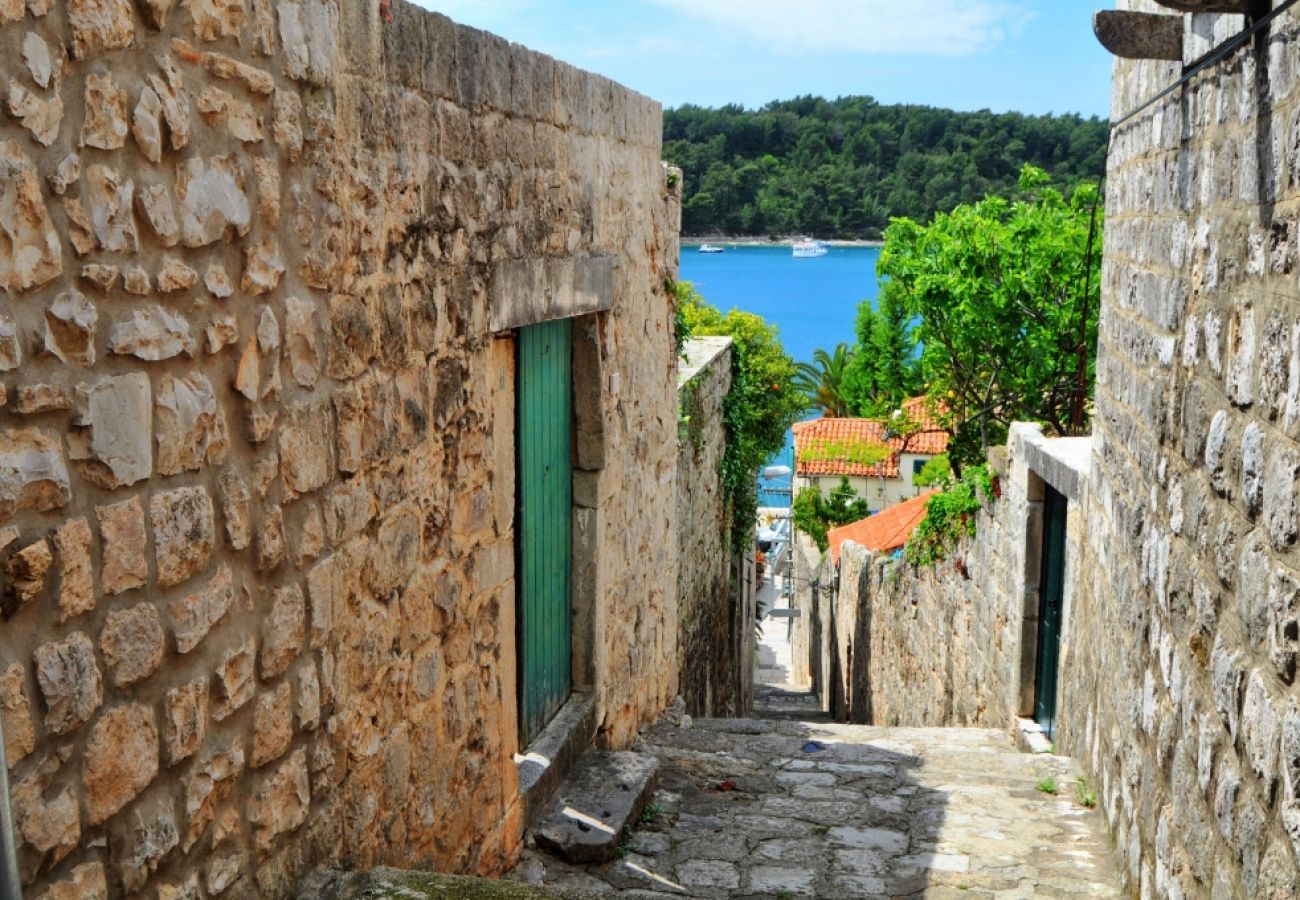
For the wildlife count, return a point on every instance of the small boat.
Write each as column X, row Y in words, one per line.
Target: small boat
column 808, row 248
column 710, row 248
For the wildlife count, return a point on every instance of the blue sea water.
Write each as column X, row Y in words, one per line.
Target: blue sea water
column 812, row 302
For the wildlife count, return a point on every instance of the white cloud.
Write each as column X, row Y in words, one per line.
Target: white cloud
column 926, row 27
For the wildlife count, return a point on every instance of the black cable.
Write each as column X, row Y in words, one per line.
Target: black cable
column 1219, row 53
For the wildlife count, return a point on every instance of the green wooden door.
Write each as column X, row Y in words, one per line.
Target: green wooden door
column 1052, row 588
column 545, row 416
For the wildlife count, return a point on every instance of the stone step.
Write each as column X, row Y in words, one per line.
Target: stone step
column 604, row 793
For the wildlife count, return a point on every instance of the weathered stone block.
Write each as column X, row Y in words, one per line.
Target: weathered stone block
column 307, row 447
column 19, row 731
column 271, row 545
column 69, row 681
column 104, row 125
column 153, row 334
column 27, row 570
column 283, row 630
column 32, row 473
column 213, row 204
column 1261, row 729
column 185, row 718
column 87, row 882
column 206, row 788
column 183, row 532
column 132, row 643
column 70, row 329
column 308, row 697
column 121, row 760
column 279, row 803
column 31, row 255
column 125, row 564
column 113, row 445
column 145, row 842
column 194, row 615
column 234, row 685
column 50, row 827
column 99, row 25
column 191, row 425
column 272, row 725
column 73, row 541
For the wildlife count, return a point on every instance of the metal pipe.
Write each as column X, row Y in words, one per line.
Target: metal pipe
column 10, row 885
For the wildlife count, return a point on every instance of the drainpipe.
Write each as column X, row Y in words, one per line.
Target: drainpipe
column 10, row 886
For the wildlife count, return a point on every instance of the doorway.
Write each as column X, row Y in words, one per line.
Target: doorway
column 544, row 393
column 1051, row 601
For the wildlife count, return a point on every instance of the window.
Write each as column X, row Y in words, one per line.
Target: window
column 917, row 466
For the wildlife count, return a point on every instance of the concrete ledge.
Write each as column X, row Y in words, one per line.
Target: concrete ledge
column 697, row 355
column 548, row 759
column 1061, row 462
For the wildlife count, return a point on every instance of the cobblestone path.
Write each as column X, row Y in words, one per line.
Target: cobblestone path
column 778, row 807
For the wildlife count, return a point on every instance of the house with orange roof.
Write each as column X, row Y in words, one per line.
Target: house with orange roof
column 887, row 530
column 879, row 460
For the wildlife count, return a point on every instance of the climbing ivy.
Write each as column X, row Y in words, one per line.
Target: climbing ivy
column 950, row 515
column 762, row 405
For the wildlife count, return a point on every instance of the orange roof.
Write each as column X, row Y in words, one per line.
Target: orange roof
column 930, row 440
column 888, row 529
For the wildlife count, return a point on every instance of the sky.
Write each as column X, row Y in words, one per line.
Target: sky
column 1032, row 56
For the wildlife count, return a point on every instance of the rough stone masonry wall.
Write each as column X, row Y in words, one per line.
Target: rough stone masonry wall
column 256, row 442
column 710, row 675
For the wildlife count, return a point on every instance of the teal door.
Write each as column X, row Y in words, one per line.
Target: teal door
column 1052, row 594
column 545, row 416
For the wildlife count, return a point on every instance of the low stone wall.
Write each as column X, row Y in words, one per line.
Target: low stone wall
column 263, row 259
column 713, row 679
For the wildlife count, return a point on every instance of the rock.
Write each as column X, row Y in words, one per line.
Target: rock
column 152, row 334
column 121, row 529
column 207, row 787
column 105, row 123
column 132, row 643
column 272, row 726
column 81, row 231
column 263, row 22
column 34, row 399
column 185, row 717
column 266, row 175
column 155, row 203
column 66, row 174
column 183, row 532
column 240, row 119
column 307, row 37
column 235, row 503
column 1283, row 624
column 306, row 448
column 121, row 759
column 11, row 351
column 614, row 787
column 215, row 19
column 191, row 425
column 212, row 200
column 69, row 682
column 286, row 125
column 36, row 54
column 31, row 254
column 300, row 341
column 193, row 616
column 102, row 276
column 113, row 445
column 323, row 585
column 151, row 836
column 32, row 472
column 1261, row 730
column 86, row 883
column 1240, row 381
column 270, row 539
column 309, row 538
column 27, row 570
column 99, row 25
column 212, row 102
column 308, row 698
column 186, row 890
column 1279, row 501
column 283, row 631
column 70, row 324
column 256, row 80
column 73, row 542
column 263, row 268
column 47, row 827
column 110, row 201
column 156, row 11
column 20, row 733
column 217, row 281
column 222, row 332
column 136, row 281
column 248, row 375
column 170, row 89
column 234, row 686
column 41, row 116
column 146, row 124
column 279, row 803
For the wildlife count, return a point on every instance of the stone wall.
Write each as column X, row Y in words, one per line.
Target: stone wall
column 261, row 263
column 1182, row 616
column 715, row 629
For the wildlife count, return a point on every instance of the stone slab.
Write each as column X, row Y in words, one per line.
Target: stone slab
column 603, row 794
column 549, row 758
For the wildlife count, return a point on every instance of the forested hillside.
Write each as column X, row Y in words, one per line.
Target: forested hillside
column 844, row 167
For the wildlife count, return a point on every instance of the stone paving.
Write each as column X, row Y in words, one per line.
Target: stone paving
column 781, row 808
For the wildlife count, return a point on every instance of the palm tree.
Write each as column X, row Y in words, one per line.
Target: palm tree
column 822, row 380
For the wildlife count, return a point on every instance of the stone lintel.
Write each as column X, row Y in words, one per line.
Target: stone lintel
column 1137, row 35
column 1061, row 462
column 526, row 292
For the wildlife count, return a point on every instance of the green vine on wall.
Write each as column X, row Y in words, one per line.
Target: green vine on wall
column 690, row 420
column 950, row 515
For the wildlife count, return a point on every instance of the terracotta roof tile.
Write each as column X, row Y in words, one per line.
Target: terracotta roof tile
column 887, row 530
column 834, row 434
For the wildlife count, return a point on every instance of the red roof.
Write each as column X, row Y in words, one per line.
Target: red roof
column 888, row 529
column 837, row 437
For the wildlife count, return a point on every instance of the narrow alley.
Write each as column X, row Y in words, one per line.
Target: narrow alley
column 791, row 804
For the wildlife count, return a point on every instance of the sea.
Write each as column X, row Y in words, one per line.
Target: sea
column 812, row 302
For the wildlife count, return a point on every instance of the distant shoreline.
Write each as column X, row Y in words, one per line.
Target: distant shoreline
column 750, row 241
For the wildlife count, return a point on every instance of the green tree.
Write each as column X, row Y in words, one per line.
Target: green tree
column 816, row 515
column 1005, row 294
column 823, row 380
column 761, row 407
column 883, row 370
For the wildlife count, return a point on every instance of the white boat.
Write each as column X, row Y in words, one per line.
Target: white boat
column 808, row 248
column 710, row 248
